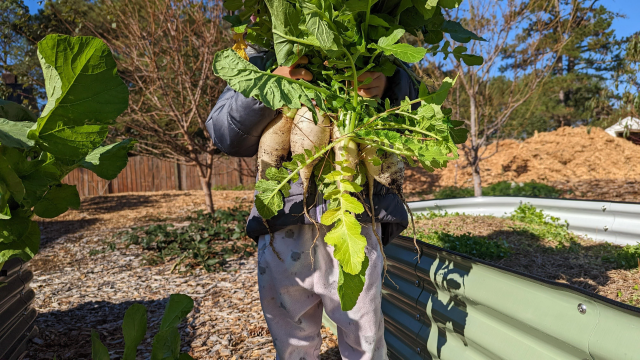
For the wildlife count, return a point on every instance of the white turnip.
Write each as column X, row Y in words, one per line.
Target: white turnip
column 306, row 135
column 274, row 144
column 345, row 150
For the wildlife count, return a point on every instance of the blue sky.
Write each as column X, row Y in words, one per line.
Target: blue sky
column 623, row 27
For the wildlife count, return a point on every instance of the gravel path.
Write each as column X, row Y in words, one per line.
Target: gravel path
column 77, row 292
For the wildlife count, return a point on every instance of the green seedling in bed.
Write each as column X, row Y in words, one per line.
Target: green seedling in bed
column 85, row 96
column 166, row 343
column 354, row 139
column 207, row 241
column 477, row 246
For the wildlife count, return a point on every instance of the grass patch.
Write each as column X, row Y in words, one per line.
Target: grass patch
column 206, row 242
column 544, row 226
column 477, row 246
column 627, row 257
column 502, row 188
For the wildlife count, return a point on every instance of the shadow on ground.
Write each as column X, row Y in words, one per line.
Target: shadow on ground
column 107, row 204
column 67, row 334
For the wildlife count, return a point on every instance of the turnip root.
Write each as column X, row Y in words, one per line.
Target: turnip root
column 389, row 173
column 346, row 150
column 274, row 144
column 305, row 134
column 368, row 153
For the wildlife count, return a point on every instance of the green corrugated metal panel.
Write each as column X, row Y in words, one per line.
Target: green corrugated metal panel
column 450, row 306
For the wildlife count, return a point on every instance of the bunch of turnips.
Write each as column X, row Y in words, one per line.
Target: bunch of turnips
column 336, row 138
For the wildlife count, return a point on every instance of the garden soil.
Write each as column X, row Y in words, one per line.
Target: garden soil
column 583, row 163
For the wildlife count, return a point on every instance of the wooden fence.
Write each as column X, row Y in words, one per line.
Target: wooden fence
column 145, row 174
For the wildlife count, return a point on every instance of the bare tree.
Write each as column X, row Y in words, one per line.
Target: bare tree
column 165, row 50
column 525, row 39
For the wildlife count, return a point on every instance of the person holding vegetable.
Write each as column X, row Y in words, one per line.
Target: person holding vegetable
column 298, row 277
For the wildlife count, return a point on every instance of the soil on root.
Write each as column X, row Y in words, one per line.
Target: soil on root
column 580, row 265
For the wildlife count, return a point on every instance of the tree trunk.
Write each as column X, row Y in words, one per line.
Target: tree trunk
column 475, row 171
column 208, row 199
column 205, row 173
column 475, row 146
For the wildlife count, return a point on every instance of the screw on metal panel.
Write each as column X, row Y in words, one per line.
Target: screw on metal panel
column 582, row 308
column 605, row 228
column 418, row 317
column 417, row 283
column 604, row 208
column 418, row 350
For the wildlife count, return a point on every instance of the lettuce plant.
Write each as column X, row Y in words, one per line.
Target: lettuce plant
column 85, row 95
column 166, row 343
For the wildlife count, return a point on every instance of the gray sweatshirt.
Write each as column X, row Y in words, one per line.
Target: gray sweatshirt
column 236, row 124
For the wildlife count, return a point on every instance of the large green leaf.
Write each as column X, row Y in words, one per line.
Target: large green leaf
column 319, row 25
column 285, row 19
column 166, row 345
column 98, row 350
column 82, row 84
column 274, row 91
column 459, row 33
column 14, row 134
column 73, row 142
column 177, row 309
column 134, row 328
column 11, row 180
column 450, row 4
column 350, row 286
column 345, row 236
column 37, row 183
column 108, row 161
column 404, row 52
column 57, row 201
column 5, row 212
column 15, row 112
column 19, row 237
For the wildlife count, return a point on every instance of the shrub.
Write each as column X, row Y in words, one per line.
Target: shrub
column 477, row 246
column 627, row 257
column 452, row 192
column 543, row 226
column 502, row 188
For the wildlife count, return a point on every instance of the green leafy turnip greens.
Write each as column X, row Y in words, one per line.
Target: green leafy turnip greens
column 85, row 95
column 342, row 40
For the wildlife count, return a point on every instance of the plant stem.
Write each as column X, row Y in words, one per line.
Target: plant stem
column 377, row 145
column 292, row 38
column 355, row 77
column 297, row 170
column 400, row 126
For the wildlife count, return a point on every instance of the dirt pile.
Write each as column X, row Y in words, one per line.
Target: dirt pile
column 573, row 159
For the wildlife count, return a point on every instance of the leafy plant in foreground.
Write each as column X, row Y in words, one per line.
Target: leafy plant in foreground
column 342, row 40
column 208, row 241
column 166, row 343
column 85, row 95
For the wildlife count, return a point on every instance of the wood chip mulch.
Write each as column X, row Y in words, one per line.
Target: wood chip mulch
column 76, row 292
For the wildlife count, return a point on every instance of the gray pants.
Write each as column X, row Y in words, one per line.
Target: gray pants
column 293, row 294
